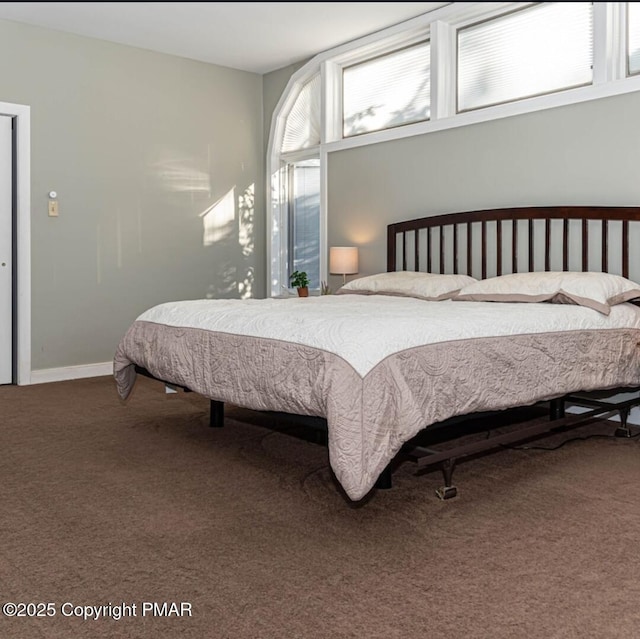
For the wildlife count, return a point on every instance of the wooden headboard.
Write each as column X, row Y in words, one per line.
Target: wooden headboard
column 500, row 241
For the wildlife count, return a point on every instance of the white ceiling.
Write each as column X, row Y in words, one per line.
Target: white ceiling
column 252, row 36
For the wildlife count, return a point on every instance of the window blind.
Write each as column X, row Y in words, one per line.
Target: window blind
column 304, row 222
column 302, row 126
column 633, row 40
column 387, row 91
column 541, row 49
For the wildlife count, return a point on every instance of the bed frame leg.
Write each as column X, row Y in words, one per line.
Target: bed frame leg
column 556, row 409
column 623, row 430
column 384, row 481
column 448, row 490
column 216, row 414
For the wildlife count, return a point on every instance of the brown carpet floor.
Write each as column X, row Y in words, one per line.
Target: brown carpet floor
column 104, row 502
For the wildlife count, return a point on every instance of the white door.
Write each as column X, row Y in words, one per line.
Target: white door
column 6, row 244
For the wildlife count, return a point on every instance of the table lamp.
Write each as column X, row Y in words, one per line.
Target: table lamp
column 343, row 260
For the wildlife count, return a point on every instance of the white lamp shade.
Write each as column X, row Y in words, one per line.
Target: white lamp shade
column 343, row 260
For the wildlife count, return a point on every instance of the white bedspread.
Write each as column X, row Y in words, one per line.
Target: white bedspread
column 380, row 368
column 364, row 330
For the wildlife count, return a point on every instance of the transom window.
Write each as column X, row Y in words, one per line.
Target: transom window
column 302, row 127
column 388, row 91
column 537, row 50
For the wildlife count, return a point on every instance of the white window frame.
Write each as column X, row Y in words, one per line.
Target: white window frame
column 439, row 26
column 310, row 153
column 624, row 34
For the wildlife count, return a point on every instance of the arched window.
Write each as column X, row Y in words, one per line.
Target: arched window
column 295, row 188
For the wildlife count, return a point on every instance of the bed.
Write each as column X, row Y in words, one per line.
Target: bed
column 422, row 343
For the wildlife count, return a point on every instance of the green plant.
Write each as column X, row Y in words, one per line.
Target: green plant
column 299, row 279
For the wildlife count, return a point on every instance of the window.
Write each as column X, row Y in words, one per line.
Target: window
column 545, row 48
column 295, row 190
column 633, row 38
column 388, row 91
column 302, row 128
column 304, row 219
column 463, row 63
column 295, row 222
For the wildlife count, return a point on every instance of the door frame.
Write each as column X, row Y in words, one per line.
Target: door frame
column 21, row 115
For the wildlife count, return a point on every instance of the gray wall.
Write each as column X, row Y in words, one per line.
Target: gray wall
column 138, row 145
column 585, row 153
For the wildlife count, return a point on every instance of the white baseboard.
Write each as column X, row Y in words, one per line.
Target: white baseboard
column 45, row 375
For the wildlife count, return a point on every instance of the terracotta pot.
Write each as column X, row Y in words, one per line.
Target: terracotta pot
column 303, row 291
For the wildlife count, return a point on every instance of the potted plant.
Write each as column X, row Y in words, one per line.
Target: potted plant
column 300, row 280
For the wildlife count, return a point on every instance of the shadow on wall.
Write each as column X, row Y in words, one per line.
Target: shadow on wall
column 228, row 226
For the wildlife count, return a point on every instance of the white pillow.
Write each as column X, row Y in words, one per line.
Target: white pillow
column 427, row 286
column 598, row 291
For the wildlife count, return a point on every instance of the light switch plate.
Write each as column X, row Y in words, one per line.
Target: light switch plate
column 53, row 208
